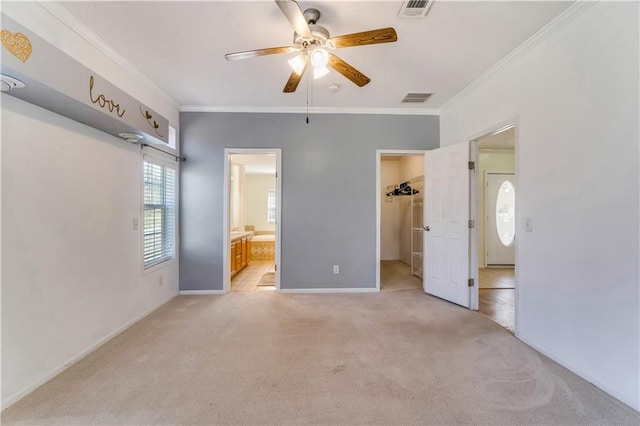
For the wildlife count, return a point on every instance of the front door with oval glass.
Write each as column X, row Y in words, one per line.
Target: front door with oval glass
column 500, row 225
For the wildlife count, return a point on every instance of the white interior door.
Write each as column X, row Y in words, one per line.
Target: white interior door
column 446, row 242
column 500, row 225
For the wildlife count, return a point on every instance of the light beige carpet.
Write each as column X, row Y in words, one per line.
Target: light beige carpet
column 268, row 358
column 396, row 275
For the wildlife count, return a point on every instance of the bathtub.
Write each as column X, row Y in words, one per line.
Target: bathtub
column 263, row 247
column 270, row 237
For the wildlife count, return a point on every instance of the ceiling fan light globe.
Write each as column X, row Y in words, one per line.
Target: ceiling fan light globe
column 298, row 63
column 320, row 72
column 319, row 58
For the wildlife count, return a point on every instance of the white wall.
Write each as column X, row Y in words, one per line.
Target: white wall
column 389, row 212
column 256, row 187
column 411, row 166
column 575, row 95
column 71, row 264
column 489, row 161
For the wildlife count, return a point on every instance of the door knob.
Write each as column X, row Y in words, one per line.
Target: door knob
column 426, row 228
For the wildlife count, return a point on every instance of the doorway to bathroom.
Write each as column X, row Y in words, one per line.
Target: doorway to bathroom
column 400, row 220
column 251, row 220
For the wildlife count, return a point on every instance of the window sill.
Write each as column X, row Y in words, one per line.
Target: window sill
column 160, row 265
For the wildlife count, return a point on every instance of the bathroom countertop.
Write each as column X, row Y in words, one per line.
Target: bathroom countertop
column 238, row 235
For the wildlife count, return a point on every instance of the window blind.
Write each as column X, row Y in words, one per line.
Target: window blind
column 271, row 207
column 159, row 213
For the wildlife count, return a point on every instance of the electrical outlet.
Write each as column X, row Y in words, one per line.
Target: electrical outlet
column 160, row 281
column 336, row 269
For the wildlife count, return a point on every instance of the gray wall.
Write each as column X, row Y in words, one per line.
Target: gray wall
column 328, row 190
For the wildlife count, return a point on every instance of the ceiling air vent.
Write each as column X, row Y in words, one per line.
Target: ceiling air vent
column 415, row 8
column 416, row 98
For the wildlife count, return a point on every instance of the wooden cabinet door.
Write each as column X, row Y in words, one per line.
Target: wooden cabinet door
column 248, row 250
column 239, row 255
column 234, row 266
column 244, row 252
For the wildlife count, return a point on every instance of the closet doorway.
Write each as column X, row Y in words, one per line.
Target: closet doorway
column 251, row 220
column 400, row 182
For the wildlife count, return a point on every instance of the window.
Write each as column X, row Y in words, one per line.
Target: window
column 159, row 212
column 271, row 206
column 505, row 213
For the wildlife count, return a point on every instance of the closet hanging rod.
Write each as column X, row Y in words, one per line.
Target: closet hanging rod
column 403, row 189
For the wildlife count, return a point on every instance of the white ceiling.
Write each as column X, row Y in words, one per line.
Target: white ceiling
column 180, row 46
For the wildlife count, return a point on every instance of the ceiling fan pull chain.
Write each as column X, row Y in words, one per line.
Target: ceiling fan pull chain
column 308, row 98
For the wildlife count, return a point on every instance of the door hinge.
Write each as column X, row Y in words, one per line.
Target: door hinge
column 276, row 175
column 472, row 223
column 275, row 267
column 472, row 165
column 471, row 282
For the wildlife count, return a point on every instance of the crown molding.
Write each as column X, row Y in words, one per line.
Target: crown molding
column 73, row 23
column 559, row 22
column 312, row 110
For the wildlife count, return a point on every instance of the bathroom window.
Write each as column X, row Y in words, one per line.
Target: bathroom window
column 159, row 197
column 271, row 206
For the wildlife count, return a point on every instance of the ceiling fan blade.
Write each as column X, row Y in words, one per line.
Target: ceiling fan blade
column 348, row 71
column 382, row 35
column 260, row 52
column 294, row 14
column 294, row 80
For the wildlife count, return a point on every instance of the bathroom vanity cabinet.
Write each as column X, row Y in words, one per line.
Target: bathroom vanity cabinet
column 240, row 251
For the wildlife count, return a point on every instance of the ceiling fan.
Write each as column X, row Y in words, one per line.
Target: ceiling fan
column 313, row 41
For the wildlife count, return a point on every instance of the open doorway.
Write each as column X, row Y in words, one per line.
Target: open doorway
column 496, row 239
column 251, row 222
column 400, row 220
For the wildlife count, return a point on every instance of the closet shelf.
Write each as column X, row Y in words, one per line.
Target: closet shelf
column 417, row 200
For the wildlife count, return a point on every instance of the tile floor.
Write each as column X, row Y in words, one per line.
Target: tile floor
column 497, row 295
column 249, row 278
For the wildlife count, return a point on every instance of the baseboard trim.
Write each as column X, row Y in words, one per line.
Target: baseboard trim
column 200, row 292
column 625, row 399
column 12, row 399
column 329, row 290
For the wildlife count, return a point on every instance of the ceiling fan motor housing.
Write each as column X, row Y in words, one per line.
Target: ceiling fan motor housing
column 320, row 37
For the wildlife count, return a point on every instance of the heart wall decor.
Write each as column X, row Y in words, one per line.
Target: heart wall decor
column 18, row 44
